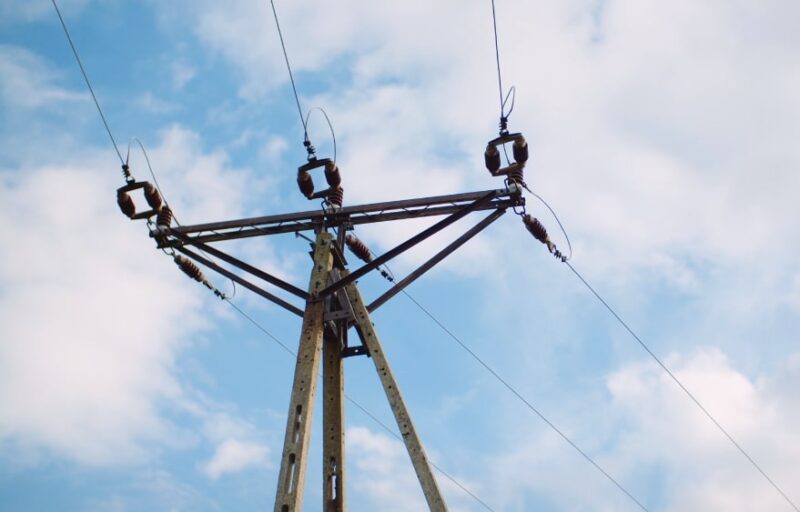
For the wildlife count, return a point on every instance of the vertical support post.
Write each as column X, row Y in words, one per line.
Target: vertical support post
column 413, row 445
column 291, row 479
column 333, row 422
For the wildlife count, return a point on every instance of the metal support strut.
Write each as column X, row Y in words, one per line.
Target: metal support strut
column 413, row 444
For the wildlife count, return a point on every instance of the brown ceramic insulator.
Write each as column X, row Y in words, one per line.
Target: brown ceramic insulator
column 517, row 175
column 358, row 248
column 492, row 159
column 520, row 149
column 305, row 183
column 336, row 196
column 189, row 268
column 126, row 204
column 536, row 229
column 164, row 218
column 152, row 196
column 332, row 175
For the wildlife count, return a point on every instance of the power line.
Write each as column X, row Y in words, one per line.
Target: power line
column 528, row 404
column 359, row 406
column 289, row 68
column 88, row 83
column 682, row 386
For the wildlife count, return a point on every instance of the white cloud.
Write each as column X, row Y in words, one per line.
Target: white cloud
column 26, row 81
column 92, row 317
column 233, row 455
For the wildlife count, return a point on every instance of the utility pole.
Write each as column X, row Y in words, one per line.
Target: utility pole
column 333, row 304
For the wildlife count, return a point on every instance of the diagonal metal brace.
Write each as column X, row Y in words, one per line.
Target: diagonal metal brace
column 400, row 285
column 233, row 277
column 411, row 242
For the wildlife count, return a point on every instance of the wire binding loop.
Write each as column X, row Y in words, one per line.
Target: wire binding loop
column 126, row 173
column 312, row 153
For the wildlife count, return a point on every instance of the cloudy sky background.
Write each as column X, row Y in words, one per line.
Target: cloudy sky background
column 664, row 134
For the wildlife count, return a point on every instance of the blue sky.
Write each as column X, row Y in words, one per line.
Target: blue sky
column 664, row 134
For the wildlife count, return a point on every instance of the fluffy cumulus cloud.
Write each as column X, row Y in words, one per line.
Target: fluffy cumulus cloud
column 663, row 448
column 92, row 318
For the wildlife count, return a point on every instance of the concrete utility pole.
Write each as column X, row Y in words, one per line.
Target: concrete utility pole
column 333, row 305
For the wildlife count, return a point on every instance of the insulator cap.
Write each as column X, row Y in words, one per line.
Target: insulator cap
column 358, row 248
column 332, row 175
column 189, row 268
column 152, row 196
column 520, row 150
column 492, row 158
column 305, row 183
column 164, row 218
column 336, row 197
column 126, row 204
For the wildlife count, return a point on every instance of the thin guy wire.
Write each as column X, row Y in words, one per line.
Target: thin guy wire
column 680, row 384
column 88, row 84
column 527, row 403
column 289, row 67
column 359, row 406
column 497, row 58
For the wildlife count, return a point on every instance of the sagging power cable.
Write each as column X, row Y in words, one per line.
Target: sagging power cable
column 360, row 249
column 504, row 96
column 88, row 84
column 683, row 388
column 540, row 233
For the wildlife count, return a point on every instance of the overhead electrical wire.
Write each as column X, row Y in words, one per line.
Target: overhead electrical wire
column 682, row 386
column 88, row 83
column 527, row 403
column 289, row 68
column 366, row 412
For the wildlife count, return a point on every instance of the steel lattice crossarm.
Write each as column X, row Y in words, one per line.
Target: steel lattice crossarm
column 194, row 241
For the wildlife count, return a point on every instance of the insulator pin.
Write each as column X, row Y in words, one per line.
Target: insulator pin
column 164, row 219
column 517, row 175
column 189, row 268
column 152, row 196
column 305, row 183
column 126, row 204
column 332, row 175
column 336, row 197
column 358, row 248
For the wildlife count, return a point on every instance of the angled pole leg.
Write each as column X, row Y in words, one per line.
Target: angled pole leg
column 333, row 424
column 291, row 479
column 414, row 446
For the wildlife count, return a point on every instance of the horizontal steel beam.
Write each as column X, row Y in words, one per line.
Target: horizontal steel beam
column 351, row 215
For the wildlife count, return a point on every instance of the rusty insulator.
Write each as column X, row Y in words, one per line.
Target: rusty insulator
column 152, row 196
column 520, row 149
column 305, row 183
column 358, row 248
column 539, row 232
column 492, row 159
column 517, row 174
column 332, row 175
column 126, row 204
column 536, row 228
column 189, row 268
column 336, row 197
column 164, row 219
